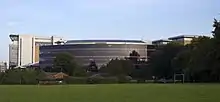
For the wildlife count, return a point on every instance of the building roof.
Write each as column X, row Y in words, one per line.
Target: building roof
column 161, row 40
column 104, row 41
column 182, row 36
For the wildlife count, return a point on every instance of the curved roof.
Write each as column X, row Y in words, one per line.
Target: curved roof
column 103, row 41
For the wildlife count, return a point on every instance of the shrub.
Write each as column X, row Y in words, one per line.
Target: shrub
column 95, row 79
column 124, row 79
column 18, row 76
column 99, row 79
column 1, row 76
column 76, row 80
column 12, row 77
column 109, row 80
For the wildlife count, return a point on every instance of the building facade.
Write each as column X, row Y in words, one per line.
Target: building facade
column 24, row 49
column 160, row 42
column 101, row 51
column 182, row 39
column 3, row 66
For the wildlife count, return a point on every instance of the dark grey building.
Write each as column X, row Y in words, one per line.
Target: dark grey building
column 101, row 51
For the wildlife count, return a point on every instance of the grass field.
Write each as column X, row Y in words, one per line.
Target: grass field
column 112, row 93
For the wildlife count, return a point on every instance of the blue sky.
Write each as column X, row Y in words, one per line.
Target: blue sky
column 105, row 19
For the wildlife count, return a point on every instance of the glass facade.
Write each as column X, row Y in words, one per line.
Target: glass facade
column 83, row 53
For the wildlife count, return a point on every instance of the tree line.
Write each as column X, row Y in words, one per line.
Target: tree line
column 199, row 61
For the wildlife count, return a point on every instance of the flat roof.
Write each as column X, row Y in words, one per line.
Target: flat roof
column 161, row 40
column 104, row 41
column 182, row 36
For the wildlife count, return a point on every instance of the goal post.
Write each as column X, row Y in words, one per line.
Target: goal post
column 181, row 75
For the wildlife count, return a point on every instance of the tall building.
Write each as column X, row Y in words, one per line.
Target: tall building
column 24, row 49
column 3, row 66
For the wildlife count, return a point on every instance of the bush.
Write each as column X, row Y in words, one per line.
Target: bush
column 109, row 80
column 29, row 77
column 76, row 80
column 95, row 79
column 18, row 76
column 12, row 77
column 124, row 79
column 1, row 76
column 99, row 79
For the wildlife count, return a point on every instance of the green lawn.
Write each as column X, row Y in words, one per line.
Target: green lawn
column 112, row 93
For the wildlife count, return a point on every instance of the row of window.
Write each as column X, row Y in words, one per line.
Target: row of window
column 92, row 46
column 94, row 49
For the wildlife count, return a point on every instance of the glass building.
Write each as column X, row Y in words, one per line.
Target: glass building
column 101, row 51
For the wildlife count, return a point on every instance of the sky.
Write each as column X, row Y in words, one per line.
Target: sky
column 106, row 19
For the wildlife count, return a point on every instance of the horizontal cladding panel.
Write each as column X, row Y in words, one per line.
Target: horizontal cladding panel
column 93, row 46
column 94, row 53
column 107, row 43
column 101, row 53
column 82, row 60
column 98, row 49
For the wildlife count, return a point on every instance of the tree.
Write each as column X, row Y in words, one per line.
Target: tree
column 195, row 59
column 216, row 52
column 20, row 76
column 1, row 76
column 216, row 32
column 118, row 67
column 161, row 60
column 92, row 66
column 65, row 62
column 79, row 71
column 134, row 56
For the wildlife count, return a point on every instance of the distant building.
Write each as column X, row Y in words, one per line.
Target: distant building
column 183, row 39
column 150, row 49
column 160, row 42
column 3, row 66
column 24, row 49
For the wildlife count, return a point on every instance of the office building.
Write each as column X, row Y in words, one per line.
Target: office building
column 183, row 39
column 3, row 66
column 101, row 51
column 24, row 49
column 160, row 42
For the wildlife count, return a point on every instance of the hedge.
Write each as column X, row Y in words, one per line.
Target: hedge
column 76, row 80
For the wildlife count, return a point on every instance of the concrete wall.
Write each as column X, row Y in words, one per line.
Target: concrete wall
column 37, row 52
column 25, row 49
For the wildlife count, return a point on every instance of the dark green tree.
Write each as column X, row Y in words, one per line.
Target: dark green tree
column 92, row 67
column 65, row 63
column 1, row 76
column 195, row 60
column 118, row 67
column 161, row 60
column 79, row 71
column 134, row 56
column 216, row 52
column 20, row 76
column 216, row 32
